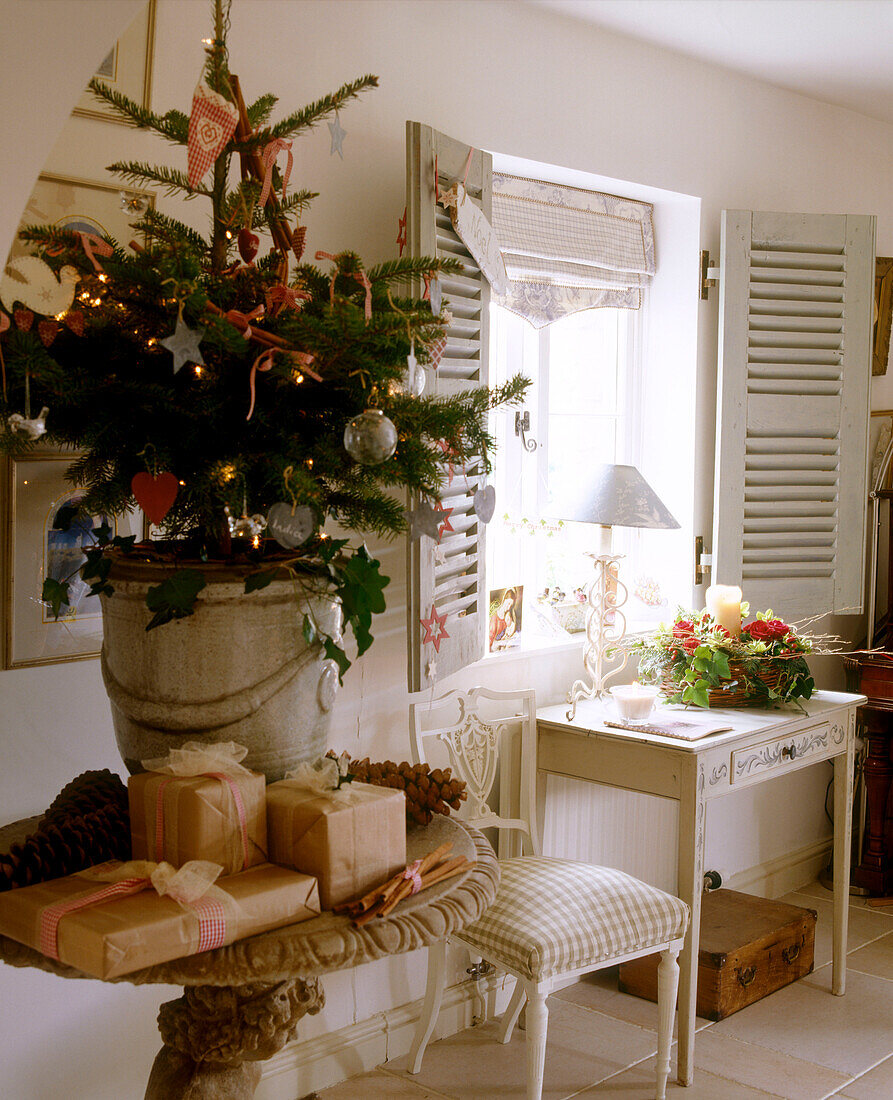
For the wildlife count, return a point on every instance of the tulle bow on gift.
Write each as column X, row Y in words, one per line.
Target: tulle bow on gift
column 202, row 758
column 327, row 775
column 191, row 887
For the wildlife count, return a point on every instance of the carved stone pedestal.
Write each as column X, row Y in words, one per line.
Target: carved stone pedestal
column 215, row 1037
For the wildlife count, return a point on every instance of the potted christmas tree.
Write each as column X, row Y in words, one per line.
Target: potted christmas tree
column 241, row 399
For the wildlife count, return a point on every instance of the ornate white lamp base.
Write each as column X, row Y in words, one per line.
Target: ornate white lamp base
column 605, row 627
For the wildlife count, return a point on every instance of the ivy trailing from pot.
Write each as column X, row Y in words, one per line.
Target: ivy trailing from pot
column 243, row 396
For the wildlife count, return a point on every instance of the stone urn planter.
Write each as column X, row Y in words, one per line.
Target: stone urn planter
column 238, row 669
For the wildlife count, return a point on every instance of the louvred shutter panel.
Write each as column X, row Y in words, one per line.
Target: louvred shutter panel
column 796, row 294
column 449, row 575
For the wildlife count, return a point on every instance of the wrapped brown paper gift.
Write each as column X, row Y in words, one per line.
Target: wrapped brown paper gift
column 208, row 807
column 349, row 839
column 126, row 933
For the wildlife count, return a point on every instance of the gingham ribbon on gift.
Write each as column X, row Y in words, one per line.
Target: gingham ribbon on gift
column 187, row 887
column 50, row 917
column 237, row 799
column 212, row 122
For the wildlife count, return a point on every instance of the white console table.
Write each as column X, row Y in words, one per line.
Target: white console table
column 762, row 745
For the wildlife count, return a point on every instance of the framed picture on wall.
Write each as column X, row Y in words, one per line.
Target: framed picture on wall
column 505, row 618
column 883, row 313
column 84, row 206
column 127, row 67
column 34, row 547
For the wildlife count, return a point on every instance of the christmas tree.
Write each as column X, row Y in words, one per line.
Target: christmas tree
column 212, row 382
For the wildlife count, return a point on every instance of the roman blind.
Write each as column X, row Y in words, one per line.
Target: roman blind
column 446, row 575
column 567, row 249
column 796, row 293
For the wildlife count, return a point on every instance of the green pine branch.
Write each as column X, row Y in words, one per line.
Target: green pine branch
column 174, row 126
column 314, row 113
column 165, row 228
column 260, row 110
column 171, row 179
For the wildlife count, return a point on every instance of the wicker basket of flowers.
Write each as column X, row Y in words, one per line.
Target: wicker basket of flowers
column 696, row 660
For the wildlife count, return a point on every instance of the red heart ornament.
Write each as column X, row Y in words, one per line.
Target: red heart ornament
column 47, row 331
column 74, row 319
column 155, row 495
column 24, row 319
column 248, row 243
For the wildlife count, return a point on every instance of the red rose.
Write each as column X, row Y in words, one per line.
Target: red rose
column 771, row 630
column 690, row 644
column 759, row 631
column 682, row 628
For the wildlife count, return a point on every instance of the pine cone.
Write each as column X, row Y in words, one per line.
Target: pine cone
column 87, row 823
column 427, row 792
column 89, row 791
column 297, row 241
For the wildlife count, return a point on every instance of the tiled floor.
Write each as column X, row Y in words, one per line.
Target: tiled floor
column 800, row 1043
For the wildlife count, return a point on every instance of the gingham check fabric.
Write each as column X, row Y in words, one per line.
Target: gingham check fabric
column 568, row 249
column 555, row 915
column 212, row 122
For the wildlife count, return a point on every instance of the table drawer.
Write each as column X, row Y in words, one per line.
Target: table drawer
column 751, row 764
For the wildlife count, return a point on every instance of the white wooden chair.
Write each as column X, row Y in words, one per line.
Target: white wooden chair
column 552, row 918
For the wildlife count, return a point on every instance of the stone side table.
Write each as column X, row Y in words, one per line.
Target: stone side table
column 241, row 1004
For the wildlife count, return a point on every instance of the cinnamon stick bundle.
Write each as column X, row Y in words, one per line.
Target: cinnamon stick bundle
column 380, row 901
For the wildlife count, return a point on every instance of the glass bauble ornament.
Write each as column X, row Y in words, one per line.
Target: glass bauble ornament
column 370, row 438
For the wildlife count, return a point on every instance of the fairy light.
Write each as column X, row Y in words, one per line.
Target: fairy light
column 61, row 316
column 297, row 377
column 228, row 472
column 85, row 297
column 229, row 235
column 182, row 482
column 96, row 302
column 103, row 278
column 255, row 542
column 207, row 41
column 198, row 370
column 153, row 341
column 309, row 463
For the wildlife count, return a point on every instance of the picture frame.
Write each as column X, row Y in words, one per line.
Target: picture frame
column 35, row 488
column 880, row 432
column 86, row 206
column 505, row 610
column 127, row 68
column 883, row 305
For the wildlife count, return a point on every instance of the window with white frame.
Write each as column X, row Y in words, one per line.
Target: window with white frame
column 598, row 395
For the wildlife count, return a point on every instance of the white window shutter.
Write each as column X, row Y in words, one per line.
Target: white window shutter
column 449, row 576
column 795, row 307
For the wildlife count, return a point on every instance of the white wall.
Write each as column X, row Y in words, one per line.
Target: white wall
column 507, row 77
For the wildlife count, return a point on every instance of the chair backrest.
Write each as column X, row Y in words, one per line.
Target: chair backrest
column 490, row 738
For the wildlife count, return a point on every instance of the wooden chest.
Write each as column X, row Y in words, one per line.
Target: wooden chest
column 749, row 947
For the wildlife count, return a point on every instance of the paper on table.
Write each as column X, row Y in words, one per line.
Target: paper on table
column 684, row 731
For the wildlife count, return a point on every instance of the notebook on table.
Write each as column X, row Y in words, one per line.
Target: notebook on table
column 685, row 731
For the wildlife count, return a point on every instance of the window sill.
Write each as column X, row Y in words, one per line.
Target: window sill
column 538, row 646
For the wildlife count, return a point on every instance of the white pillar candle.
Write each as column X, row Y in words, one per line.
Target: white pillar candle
column 724, row 604
column 635, row 701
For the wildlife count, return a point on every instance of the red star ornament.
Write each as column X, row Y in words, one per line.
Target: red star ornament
column 401, row 233
column 445, row 524
column 435, row 628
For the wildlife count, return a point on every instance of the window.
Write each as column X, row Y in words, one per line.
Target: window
column 586, row 374
column 610, row 385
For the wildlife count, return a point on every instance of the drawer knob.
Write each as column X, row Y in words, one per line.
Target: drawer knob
column 789, row 752
column 789, row 954
column 746, row 976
